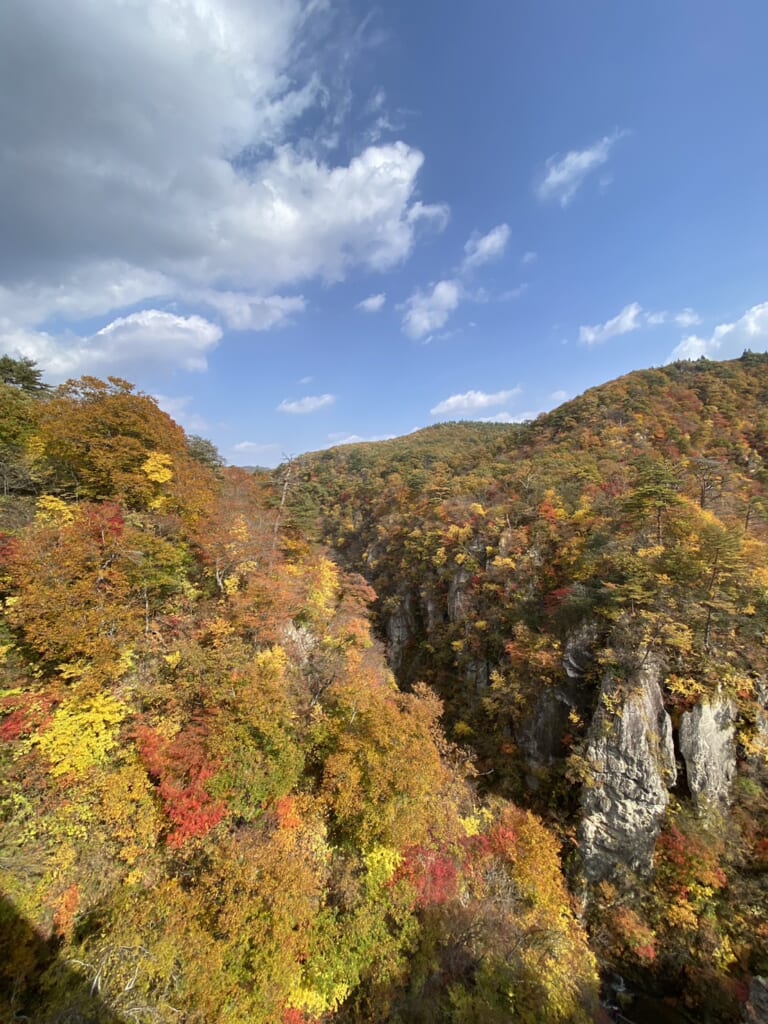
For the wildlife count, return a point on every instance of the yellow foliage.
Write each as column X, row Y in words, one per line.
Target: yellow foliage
column 157, row 468
column 318, row 1003
column 172, row 660
column 685, row 686
column 381, row 863
column 471, row 825
column 81, row 734
column 52, row 511
column 271, row 663
column 503, row 563
column 682, row 916
column 231, row 585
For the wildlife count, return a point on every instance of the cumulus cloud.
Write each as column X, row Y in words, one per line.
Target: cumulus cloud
column 564, row 175
column 728, row 341
column 150, row 339
column 629, row 319
column 372, row 304
column 473, row 401
column 153, row 153
column 508, row 417
column 427, row 311
column 480, row 249
column 310, row 403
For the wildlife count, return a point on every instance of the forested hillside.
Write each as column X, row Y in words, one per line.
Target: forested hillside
column 588, row 593
column 215, row 803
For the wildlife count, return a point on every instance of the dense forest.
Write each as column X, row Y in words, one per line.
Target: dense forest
column 587, row 594
column 445, row 728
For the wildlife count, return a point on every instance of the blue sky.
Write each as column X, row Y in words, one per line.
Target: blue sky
column 298, row 223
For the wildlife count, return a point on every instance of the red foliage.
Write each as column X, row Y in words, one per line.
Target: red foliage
column 180, row 768
column 23, row 714
column 555, row 598
column 293, row 1016
column 285, row 808
column 7, row 547
column 671, row 843
column 432, row 875
column 105, row 521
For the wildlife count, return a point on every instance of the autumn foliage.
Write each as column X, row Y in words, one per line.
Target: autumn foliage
column 216, row 803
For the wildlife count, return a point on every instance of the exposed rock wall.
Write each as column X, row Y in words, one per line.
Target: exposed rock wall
column 708, row 746
column 632, row 759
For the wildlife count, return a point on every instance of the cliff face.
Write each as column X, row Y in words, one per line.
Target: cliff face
column 708, row 746
column 631, row 753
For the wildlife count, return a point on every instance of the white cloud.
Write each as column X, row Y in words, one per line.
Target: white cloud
column 178, row 409
column 629, row 319
column 372, row 304
column 154, row 153
column 564, row 175
column 242, row 311
column 688, row 318
column 148, row 339
column 559, row 396
column 480, row 249
column 473, row 401
column 428, row 311
column 342, row 438
column 656, row 319
column 254, row 447
column 529, row 257
column 311, row 403
column 728, row 341
column 508, row 417
column 513, row 293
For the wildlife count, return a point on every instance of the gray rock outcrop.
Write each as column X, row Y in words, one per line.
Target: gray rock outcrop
column 631, row 757
column 708, row 746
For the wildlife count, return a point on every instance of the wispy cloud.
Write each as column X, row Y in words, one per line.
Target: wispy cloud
column 529, row 257
column 427, row 311
column 310, row 403
column 254, row 447
column 728, row 341
column 688, row 318
column 564, row 175
column 481, row 249
column 343, row 438
column 629, row 319
column 473, row 401
column 178, row 408
column 372, row 304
